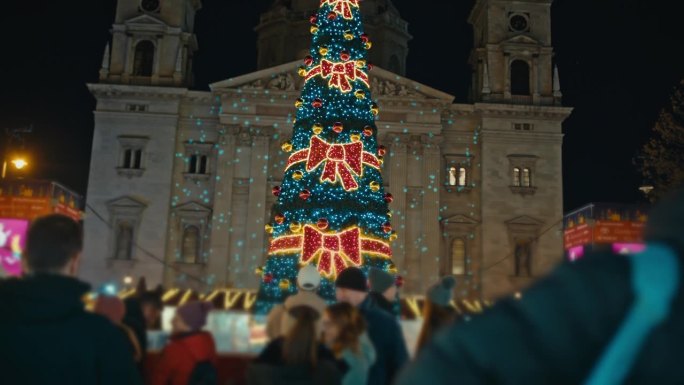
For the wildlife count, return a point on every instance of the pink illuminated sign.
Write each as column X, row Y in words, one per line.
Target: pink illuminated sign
column 575, row 253
column 628, row 248
column 12, row 243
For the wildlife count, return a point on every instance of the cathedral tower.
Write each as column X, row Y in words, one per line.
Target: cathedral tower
column 283, row 33
column 512, row 59
column 152, row 43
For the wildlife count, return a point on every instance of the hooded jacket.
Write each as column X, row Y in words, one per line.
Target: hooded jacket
column 555, row 334
column 180, row 356
column 47, row 337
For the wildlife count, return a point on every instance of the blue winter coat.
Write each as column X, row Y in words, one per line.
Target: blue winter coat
column 555, row 334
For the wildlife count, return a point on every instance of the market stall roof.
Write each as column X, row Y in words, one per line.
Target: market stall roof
column 243, row 300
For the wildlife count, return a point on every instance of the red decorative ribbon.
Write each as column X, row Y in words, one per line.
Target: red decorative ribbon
column 343, row 161
column 341, row 74
column 332, row 252
column 342, row 7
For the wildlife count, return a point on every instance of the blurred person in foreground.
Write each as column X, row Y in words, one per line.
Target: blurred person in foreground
column 344, row 332
column 383, row 289
column 46, row 335
column 605, row 319
column 351, row 286
column 297, row 357
column 113, row 309
column 437, row 310
column 279, row 320
column 190, row 357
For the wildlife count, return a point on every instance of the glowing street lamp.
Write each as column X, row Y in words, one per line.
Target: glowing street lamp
column 19, row 163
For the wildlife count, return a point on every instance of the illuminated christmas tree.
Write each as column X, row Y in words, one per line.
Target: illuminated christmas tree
column 332, row 210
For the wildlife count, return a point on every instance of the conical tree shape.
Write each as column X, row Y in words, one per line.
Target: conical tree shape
column 332, row 210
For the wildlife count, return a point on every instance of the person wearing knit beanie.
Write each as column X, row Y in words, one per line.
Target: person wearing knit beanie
column 437, row 310
column 279, row 321
column 193, row 315
column 188, row 347
column 383, row 289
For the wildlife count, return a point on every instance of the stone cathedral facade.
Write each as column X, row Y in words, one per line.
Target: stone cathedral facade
column 180, row 180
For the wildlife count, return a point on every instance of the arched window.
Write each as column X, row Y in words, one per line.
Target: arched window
column 453, row 177
column 516, row 177
column 192, row 169
column 523, row 258
column 462, row 176
column 527, row 177
column 458, row 257
column 124, row 241
column 143, row 60
column 203, row 165
column 394, row 65
column 191, row 244
column 520, row 78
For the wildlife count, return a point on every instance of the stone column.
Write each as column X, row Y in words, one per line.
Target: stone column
column 223, row 196
column 256, row 210
column 432, row 178
column 536, row 80
column 397, row 184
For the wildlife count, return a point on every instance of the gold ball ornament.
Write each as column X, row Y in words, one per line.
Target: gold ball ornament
column 375, row 109
column 297, row 175
column 374, row 186
column 302, row 71
column 360, row 94
column 323, row 50
column 314, row 29
column 348, row 35
column 259, row 270
column 360, row 63
column 393, row 236
column 368, row 45
column 286, row 146
column 317, row 128
column 355, row 137
column 268, row 228
column 295, row 227
column 299, row 102
column 284, row 284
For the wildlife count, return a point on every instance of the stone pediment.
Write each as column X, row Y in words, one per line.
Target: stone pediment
column 285, row 78
column 192, row 207
column 461, row 220
column 521, row 39
column 126, row 202
column 146, row 20
column 524, row 220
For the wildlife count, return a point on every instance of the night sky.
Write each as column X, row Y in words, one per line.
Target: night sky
column 618, row 61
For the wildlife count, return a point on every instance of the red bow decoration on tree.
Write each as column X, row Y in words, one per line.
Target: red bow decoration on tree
column 340, row 74
column 332, row 251
column 342, row 7
column 341, row 160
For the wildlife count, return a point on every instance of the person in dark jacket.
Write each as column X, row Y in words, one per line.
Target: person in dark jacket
column 383, row 290
column 135, row 320
column 46, row 335
column 383, row 329
column 189, row 345
column 560, row 329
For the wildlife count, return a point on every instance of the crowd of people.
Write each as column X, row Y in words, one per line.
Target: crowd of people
column 603, row 320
